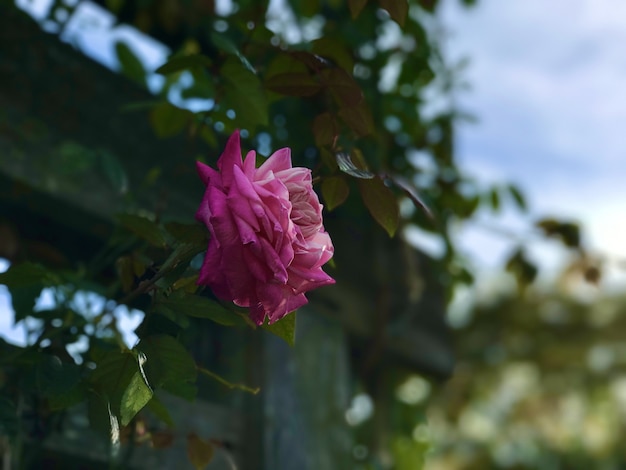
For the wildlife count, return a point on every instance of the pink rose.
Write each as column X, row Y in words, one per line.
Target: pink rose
column 267, row 243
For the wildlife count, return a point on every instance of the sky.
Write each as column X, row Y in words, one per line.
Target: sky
column 547, row 88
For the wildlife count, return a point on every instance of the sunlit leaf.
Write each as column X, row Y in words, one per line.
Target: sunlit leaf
column 284, row 328
column 345, row 163
column 381, row 203
column 178, row 64
column 335, row 190
column 200, row 452
column 119, row 376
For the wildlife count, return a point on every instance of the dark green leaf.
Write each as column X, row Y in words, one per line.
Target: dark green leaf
column 244, row 95
column 398, row 9
column 114, row 171
column 167, row 361
column 188, row 233
column 518, row 197
column 343, row 87
column 494, row 198
column 355, row 7
column 130, row 64
column 335, row 50
column 284, row 328
column 144, row 228
column 381, row 203
column 293, row 84
column 335, row 190
column 27, row 274
column 56, row 379
column 358, row 118
column 226, row 45
column 23, row 299
column 178, row 64
column 202, row 307
column 567, row 232
column 160, row 411
column 344, row 161
column 325, row 129
column 168, row 120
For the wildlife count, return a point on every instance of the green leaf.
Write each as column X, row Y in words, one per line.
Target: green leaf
column 381, row 203
column 284, row 328
column 335, row 190
column 160, row 411
column 494, row 199
column 293, row 84
column 356, row 6
column 178, row 64
column 245, row 95
column 168, row 120
column 202, row 307
column 343, row 87
column 182, row 254
column 130, row 64
column 358, row 118
column 120, row 377
column 59, row 381
column 114, row 171
column 334, row 49
column 226, row 45
column 398, row 9
column 345, row 163
column 195, row 233
column 144, row 228
column 167, row 361
column 23, row 300
column 518, row 197
column 325, row 129
column 137, row 395
column 567, row 232
column 27, row 274
column 200, row 452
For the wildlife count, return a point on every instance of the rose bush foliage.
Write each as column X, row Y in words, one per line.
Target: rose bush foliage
column 268, row 242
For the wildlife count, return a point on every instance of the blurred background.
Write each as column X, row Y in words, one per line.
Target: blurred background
column 532, row 261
